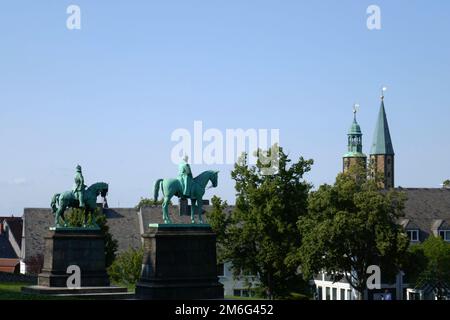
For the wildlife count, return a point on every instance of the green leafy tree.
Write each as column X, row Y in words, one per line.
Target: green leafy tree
column 446, row 183
column 126, row 269
column 75, row 218
column 261, row 231
column 432, row 257
column 219, row 221
column 350, row 226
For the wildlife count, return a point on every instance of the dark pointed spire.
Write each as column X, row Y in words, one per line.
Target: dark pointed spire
column 382, row 143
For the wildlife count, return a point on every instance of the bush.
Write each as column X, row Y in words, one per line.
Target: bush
column 75, row 218
column 126, row 269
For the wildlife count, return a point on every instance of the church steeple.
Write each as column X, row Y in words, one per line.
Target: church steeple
column 382, row 151
column 354, row 153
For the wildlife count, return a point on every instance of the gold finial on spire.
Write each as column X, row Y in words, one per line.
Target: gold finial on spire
column 355, row 110
column 383, row 89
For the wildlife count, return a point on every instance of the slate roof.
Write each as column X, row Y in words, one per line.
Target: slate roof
column 15, row 227
column 125, row 224
column 6, row 250
column 426, row 209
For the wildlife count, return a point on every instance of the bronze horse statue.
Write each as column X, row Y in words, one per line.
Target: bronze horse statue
column 172, row 187
column 62, row 201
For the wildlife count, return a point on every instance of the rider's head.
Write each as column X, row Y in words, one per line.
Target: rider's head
column 186, row 158
column 78, row 168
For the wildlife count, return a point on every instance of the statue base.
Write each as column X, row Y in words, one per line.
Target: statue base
column 84, row 248
column 179, row 263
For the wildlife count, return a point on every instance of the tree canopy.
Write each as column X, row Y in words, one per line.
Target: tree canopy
column 350, row 226
column 431, row 260
column 260, row 234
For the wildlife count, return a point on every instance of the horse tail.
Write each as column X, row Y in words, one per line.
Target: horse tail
column 55, row 202
column 156, row 189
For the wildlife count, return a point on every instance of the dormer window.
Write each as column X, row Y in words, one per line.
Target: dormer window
column 445, row 234
column 413, row 235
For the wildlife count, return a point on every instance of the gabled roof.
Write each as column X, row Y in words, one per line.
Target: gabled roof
column 427, row 209
column 382, row 143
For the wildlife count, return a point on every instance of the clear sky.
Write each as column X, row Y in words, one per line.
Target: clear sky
column 110, row 95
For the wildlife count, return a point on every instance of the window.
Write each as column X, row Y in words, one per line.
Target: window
column 220, row 269
column 413, row 235
column 334, row 293
column 445, row 234
column 236, row 293
column 319, row 293
column 245, row 293
column 388, row 161
column 342, row 294
column 328, row 293
column 349, row 294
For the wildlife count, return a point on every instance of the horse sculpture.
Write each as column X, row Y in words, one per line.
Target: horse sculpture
column 62, row 201
column 172, row 187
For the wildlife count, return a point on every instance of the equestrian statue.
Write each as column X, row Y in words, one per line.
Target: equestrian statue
column 186, row 187
column 78, row 197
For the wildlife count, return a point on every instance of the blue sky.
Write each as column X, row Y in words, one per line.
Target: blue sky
column 109, row 96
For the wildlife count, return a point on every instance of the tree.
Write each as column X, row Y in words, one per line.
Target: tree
column 352, row 225
column 446, row 183
column 219, row 221
column 75, row 218
column 126, row 269
column 434, row 255
column 261, row 231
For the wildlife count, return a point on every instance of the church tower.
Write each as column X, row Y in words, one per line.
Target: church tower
column 382, row 152
column 354, row 153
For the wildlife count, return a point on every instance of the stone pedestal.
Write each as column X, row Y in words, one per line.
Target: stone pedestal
column 179, row 263
column 82, row 247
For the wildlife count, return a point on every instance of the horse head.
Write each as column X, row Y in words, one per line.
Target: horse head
column 214, row 178
column 99, row 189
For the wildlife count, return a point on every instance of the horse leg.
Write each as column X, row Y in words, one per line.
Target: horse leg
column 200, row 210
column 93, row 218
column 86, row 212
column 57, row 214
column 165, row 208
column 193, row 207
column 60, row 214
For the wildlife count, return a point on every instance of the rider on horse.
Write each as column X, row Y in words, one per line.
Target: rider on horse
column 185, row 177
column 79, row 186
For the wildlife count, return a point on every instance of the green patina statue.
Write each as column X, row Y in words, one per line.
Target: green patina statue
column 185, row 187
column 79, row 197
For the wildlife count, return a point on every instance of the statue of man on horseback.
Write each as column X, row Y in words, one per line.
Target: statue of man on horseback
column 185, row 177
column 185, row 186
column 79, row 186
column 78, row 197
